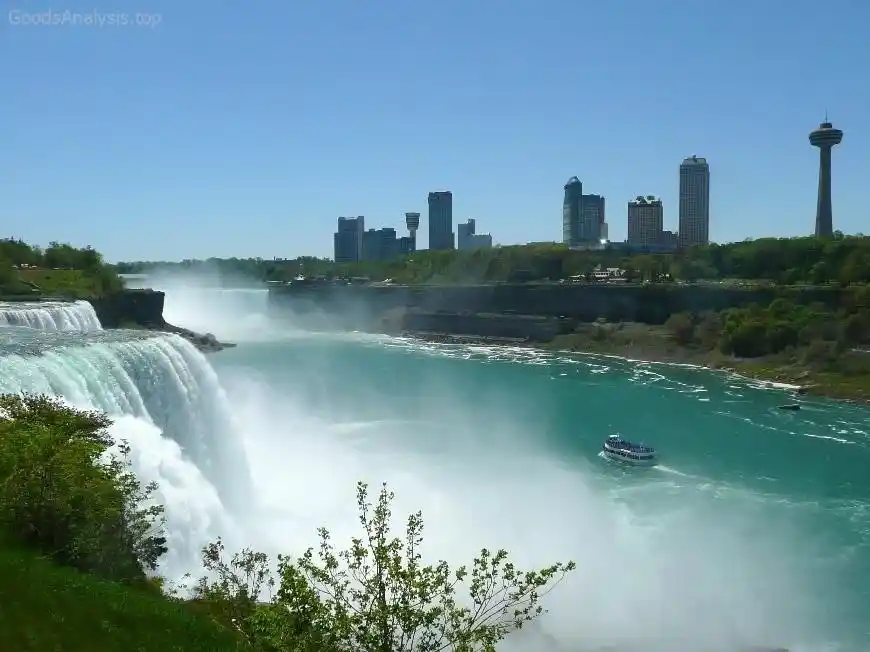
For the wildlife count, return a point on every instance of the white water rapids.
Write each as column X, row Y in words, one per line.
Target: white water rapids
column 50, row 315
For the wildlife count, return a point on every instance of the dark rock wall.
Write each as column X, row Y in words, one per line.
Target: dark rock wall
column 646, row 304
column 143, row 308
column 527, row 327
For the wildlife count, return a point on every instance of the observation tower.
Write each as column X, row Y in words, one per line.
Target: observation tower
column 825, row 137
column 412, row 221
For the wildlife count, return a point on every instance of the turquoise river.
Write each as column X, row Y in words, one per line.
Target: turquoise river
column 754, row 528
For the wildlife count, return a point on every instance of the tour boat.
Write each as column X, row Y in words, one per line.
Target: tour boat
column 621, row 450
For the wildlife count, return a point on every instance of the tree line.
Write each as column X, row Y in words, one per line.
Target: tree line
column 58, row 268
column 789, row 261
column 56, row 255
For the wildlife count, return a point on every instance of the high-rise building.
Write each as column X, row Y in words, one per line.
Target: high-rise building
column 646, row 218
column 591, row 219
column 571, row 206
column 380, row 244
column 583, row 221
column 348, row 239
column 825, row 138
column 464, row 233
column 694, row 202
column 467, row 238
column 441, row 220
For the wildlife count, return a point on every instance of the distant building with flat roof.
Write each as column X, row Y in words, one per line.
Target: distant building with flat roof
column 348, row 239
column 645, row 221
column 441, row 220
column 467, row 238
column 694, row 202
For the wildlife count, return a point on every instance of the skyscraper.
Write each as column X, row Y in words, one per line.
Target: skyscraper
column 645, row 221
column 694, row 202
column 440, row 220
column 825, row 137
column 348, row 239
column 591, row 219
column 571, row 207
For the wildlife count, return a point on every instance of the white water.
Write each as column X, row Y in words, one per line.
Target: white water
column 237, row 314
column 166, row 402
column 689, row 582
column 50, row 315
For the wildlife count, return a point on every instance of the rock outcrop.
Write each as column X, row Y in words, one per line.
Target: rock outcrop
column 143, row 309
column 205, row 342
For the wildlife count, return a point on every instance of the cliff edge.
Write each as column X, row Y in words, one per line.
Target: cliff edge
column 135, row 308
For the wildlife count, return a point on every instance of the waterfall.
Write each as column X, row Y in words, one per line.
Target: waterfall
column 165, row 400
column 50, row 315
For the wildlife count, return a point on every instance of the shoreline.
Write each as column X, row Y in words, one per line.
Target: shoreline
column 686, row 358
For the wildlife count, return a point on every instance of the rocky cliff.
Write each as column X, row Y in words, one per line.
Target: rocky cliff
column 651, row 304
column 530, row 311
column 142, row 308
column 135, row 308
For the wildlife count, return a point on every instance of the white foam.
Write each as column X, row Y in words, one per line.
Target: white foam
column 50, row 315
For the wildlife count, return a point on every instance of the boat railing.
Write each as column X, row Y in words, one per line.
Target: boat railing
column 627, row 445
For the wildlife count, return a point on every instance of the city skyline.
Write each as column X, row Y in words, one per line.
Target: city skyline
column 255, row 150
column 584, row 224
column 352, row 242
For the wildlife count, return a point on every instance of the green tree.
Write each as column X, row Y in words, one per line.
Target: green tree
column 682, row 327
column 856, row 328
column 376, row 596
column 61, row 494
column 8, row 275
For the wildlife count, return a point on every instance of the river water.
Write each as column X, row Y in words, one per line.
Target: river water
column 752, row 530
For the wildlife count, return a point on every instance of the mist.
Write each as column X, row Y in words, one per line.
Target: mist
column 661, row 567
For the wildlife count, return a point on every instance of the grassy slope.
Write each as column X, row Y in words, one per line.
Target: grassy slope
column 46, row 608
column 61, row 281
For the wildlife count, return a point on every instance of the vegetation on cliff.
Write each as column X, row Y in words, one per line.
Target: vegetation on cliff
column 841, row 259
column 57, row 270
column 825, row 349
column 80, row 538
column 77, row 535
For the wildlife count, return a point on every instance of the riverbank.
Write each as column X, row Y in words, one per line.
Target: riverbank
column 655, row 344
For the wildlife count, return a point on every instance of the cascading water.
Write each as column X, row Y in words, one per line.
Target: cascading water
column 166, row 401
column 76, row 316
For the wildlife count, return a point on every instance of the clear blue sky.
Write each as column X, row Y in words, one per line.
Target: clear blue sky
column 246, row 128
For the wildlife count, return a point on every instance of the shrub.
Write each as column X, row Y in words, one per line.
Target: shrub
column 682, row 328
column 64, row 496
column 376, row 596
